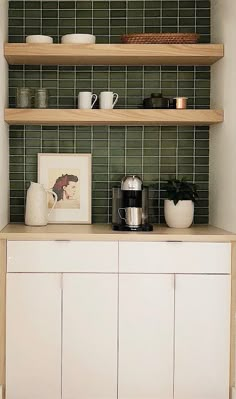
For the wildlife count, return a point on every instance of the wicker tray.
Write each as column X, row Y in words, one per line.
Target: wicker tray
column 160, row 38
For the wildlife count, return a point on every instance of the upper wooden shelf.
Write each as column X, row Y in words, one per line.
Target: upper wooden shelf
column 114, row 117
column 113, row 54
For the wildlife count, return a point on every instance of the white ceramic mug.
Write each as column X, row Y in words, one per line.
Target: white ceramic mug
column 86, row 99
column 107, row 99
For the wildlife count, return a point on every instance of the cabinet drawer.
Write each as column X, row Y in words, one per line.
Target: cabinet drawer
column 62, row 256
column 174, row 257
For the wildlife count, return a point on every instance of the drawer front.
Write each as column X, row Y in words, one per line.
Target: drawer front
column 62, row 256
column 174, row 257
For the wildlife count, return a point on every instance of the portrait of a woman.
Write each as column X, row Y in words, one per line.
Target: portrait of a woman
column 67, row 189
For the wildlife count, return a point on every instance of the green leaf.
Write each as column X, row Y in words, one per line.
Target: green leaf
column 180, row 190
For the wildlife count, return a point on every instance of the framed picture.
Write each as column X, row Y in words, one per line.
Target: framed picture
column 69, row 176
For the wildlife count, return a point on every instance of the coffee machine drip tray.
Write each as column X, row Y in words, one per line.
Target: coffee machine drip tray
column 124, row 227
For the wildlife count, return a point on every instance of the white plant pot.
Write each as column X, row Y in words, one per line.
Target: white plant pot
column 179, row 216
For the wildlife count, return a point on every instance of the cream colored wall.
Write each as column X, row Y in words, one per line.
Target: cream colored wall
column 223, row 137
column 4, row 174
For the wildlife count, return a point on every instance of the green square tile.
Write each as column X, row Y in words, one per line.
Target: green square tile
column 203, row 4
column 32, row 5
column 100, row 14
column 65, row 23
column 15, row 22
column 151, row 4
column 17, row 151
column 16, row 201
column 136, row 169
column 29, row 30
column 139, row 13
column 16, row 185
column 51, row 14
column 35, row 143
column 50, row 135
column 49, row 5
column 66, row 5
column 118, row 5
column 33, row 23
column 100, row 4
column 31, row 15
column 187, row 22
column 170, row 13
column 16, row 4
column 118, row 14
column 187, row 3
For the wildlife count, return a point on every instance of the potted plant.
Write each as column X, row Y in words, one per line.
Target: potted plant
column 179, row 205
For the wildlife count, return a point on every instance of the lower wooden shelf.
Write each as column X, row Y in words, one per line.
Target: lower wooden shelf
column 113, row 117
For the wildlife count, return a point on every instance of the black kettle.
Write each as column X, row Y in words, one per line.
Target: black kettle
column 156, row 101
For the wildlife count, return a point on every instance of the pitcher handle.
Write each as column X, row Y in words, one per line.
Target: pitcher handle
column 121, row 209
column 55, row 200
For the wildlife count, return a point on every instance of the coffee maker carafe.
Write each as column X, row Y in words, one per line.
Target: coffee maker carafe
column 130, row 211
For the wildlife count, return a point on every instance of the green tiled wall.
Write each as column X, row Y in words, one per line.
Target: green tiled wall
column 155, row 153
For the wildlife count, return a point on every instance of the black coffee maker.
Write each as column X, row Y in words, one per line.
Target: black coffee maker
column 130, row 205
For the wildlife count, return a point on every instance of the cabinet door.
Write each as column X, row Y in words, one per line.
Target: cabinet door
column 89, row 366
column 33, row 336
column 146, row 321
column 202, row 337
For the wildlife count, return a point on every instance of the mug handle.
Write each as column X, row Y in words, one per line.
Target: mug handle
column 55, row 200
column 95, row 99
column 115, row 96
column 120, row 209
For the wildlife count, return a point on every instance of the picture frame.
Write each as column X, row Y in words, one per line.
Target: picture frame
column 69, row 176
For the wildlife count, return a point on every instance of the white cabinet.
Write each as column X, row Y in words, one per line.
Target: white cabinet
column 61, row 336
column 175, row 257
column 89, row 350
column 33, row 344
column 202, row 336
column 146, row 334
column 157, row 326
column 62, row 257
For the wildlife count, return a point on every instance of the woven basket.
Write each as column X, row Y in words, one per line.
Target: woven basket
column 160, row 38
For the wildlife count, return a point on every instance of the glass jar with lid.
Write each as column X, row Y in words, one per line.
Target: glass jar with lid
column 23, row 97
column 41, row 98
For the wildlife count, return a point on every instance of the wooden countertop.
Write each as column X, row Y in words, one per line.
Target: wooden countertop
column 103, row 232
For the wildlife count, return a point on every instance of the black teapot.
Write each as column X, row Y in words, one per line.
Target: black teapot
column 156, row 101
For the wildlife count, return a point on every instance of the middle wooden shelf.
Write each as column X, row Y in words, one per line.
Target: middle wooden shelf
column 113, row 117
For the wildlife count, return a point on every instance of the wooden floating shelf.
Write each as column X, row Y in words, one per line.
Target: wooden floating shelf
column 113, row 117
column 113, row 54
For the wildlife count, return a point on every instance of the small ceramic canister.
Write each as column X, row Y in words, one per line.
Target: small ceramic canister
column 181, row 102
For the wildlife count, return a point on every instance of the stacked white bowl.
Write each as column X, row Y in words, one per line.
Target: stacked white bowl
column 39, row 39
column 78, row 38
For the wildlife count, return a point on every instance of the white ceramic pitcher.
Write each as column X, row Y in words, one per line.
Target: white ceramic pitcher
column 36, row 213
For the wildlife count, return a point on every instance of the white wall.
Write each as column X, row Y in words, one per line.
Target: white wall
column 223, row 137
column 4, row 173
